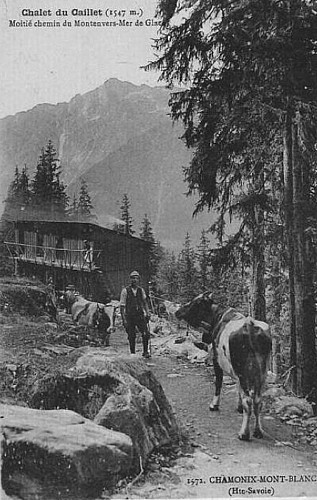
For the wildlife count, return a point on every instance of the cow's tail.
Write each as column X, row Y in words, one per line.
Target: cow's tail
column 259, row 351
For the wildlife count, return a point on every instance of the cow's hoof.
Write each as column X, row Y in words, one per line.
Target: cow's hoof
column 244, row 437
column 258, row 433
column 214, row 407
column 240, row 409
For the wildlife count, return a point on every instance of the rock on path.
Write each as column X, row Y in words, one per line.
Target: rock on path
column 61, row 447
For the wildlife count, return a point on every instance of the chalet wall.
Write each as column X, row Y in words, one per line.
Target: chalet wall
column 57, row 249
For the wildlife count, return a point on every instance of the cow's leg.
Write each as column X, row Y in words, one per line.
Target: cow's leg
column 107, row 339
column 244, row 433
column 257, row 403
column 240, row 405
column 132, row 343
column 214, row 406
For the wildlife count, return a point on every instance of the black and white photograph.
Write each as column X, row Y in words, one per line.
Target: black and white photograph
column 158, row 249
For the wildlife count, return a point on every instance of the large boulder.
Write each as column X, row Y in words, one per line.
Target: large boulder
column 138, row 407
column 117, row 392
column 60, row 448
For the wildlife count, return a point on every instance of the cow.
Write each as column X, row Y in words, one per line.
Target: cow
column 96, row 315
column 241, row 349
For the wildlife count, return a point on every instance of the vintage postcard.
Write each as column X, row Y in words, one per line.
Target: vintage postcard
column 107, row 378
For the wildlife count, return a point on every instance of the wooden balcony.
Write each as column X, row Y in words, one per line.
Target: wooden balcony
column 55, row 257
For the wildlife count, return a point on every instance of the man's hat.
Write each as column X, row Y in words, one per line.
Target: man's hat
column 134, row 273
column 70, row 287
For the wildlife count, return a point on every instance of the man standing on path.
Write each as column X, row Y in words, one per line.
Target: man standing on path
column 135, row 313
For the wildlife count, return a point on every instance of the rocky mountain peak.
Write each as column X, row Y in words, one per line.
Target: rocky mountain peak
column 118, row 137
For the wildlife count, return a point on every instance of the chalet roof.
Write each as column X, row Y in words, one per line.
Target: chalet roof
column 108, row 221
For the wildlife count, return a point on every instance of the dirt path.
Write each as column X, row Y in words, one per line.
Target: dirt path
column 216, row 464
column 268, row 467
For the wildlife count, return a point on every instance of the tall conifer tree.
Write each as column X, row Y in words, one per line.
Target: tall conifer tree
column 125, row 214
column 250, row 68
column 188, row 275
column 85, row 205
column 203, row 260
column 155, row 253
column 48, row 191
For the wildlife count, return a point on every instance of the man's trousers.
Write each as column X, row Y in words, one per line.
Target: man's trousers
column 140, row 323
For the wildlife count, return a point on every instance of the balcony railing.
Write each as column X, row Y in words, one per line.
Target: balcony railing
column 58, row 257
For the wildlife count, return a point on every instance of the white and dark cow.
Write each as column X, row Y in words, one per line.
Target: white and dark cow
column 96, row 315
column 241, row 349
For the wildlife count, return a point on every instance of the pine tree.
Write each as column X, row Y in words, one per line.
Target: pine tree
column 18, row 196
column 41, row 189
column 188, row 275
column 14, row 187
column 146, row 231
column 72, row 212
column 85, row 206
column 203, row 260
column 125, row 214
column 24, row 190
column 11, row 207
column 167, row 276
column 250, row 71
column 48, row 192
column 155, row 253
column 15, row 204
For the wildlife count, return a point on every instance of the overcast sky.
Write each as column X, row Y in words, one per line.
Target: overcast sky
column 54, row 64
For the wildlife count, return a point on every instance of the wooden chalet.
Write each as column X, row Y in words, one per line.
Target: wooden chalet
column 95, row 259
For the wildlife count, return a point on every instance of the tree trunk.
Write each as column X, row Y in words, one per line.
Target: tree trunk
column 310, row 356
column 302, row 304
column 276, row 354
column 289, row 229
column 303, row 276
column 258, row 267
column 258, row 306
column 299, row 260
column 276, row 308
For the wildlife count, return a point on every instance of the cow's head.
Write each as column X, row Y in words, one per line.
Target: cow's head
column 104, row 319
column 111, row 310
column 101, row 319
column 199, row 312
column 70, row 297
